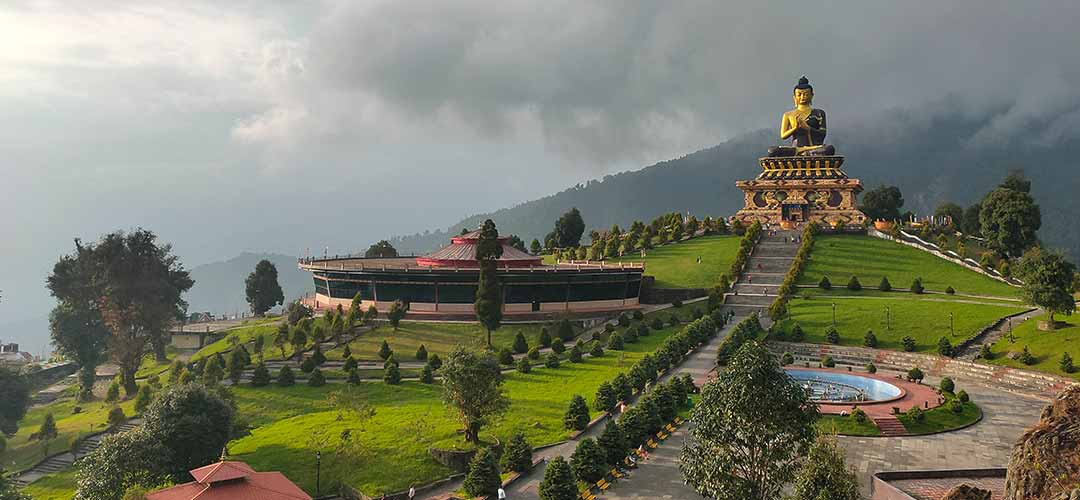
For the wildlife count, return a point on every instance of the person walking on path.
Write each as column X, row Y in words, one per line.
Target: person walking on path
column 502, row 493
column 412, row 492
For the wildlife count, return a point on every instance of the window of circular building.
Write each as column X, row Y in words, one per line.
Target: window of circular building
column 759, row 200
column 835, row 198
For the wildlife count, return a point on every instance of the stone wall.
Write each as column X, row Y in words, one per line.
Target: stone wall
column 650, row 294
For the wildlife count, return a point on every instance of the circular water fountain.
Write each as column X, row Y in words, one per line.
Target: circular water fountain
column 844, row 388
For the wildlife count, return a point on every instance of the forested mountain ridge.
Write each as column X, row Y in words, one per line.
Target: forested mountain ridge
column 933, row 154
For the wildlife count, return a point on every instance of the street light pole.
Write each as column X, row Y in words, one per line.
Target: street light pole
column 834, row 314
column 887, row 325
column 318, row 470
column 951, row 330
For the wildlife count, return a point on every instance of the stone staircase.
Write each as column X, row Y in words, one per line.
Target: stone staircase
column 890, row 425
column 764, row 273
column 63, row 461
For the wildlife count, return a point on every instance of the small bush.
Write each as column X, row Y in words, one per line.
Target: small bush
column 657, row 324
column 521, row 346
column 676, row 303
column 350, row 364
column 421, row 353
column 317, row 356
column 917, row 287
column 482, row 479
column 885, row 286
column 307, row 365
column 956, row 407
column 552, row 360
column 832, row 335
column 787, row 359
column 642, row 330
column 853, row 284
column 909, row 344
column 261, row 376
column 534, row 353
column 828, row 362
column 112, row 395
column 557, row 346
column 566, row 330
column 392, row 374
column 623, row 320
column 575, row 355
column 435, row 361
column 385, row 351
column 545, row 337
column 944, row 347
column 143, row 398
column 947, row 385
column 797, row 333
column 1026, row 357
column 985, row 352
column 1066, row 363
column 963, row 396
column 285, row 376
column 859, row 415
column 427, row 375
column 354, row 377
column 825, row 284
column 116, row 416
column 506, row 357
column 523, row 365
column 950, row 290
column 871, row 367
column 915, row 374
column 316, row 379
column 518, row 454
column 597, row 350
column 577, row 414
column 870, row 340
column 916, row 414
column 615, row 343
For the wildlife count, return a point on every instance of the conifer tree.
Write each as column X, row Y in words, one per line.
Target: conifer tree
column 483, row 476
column 577, row 415
column 261, row 376
column 559, row 482
column 488, row 303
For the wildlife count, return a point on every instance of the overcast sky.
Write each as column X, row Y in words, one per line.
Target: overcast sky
column 233, row 126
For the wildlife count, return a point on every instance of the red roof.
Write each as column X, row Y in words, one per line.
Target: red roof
column 461, row 252
column 232, row 481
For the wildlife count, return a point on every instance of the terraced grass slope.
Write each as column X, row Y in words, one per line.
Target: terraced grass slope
column 437, row 338
column 1046, row 347
column 676, row 265
column 22, row 452
column 842, row 256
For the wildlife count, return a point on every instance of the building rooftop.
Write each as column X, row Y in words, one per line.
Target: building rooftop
column 232, row 481
column 410, row 264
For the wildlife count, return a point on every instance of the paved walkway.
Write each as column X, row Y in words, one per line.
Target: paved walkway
column 992, row 336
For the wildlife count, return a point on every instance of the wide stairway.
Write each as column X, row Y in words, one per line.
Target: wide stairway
column 890, row 426
column 764, row 273
column 64, row 461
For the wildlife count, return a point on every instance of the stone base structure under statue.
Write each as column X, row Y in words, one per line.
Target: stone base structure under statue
column 792, row 190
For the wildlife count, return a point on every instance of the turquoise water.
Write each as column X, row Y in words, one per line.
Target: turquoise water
column 831, row 386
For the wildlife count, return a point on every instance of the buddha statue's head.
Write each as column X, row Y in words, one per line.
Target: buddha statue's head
column 804, row 92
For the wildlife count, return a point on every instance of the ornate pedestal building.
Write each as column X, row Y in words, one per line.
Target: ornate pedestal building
column 802, row 182
column 801, row 189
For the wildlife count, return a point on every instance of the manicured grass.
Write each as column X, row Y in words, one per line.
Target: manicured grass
column 924, row 321
column 24, row 453
column 842, row 291
column 390, row 451
column 1046, row 347
column 437, row 338
column 942, row 419
column 846, row 426
column 264, row 327
column 675, row 265
column 60, row 486
column 841, row 256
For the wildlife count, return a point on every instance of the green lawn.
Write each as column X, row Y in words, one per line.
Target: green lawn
column 437, row 338
column 1046, row 347
column 942, row 419
column 392, row 452
column 925, row 321
column 23, row 453
column 53, row 487
column 264, row 327
column 846, row 426
column 676, row 266
column 841, row 256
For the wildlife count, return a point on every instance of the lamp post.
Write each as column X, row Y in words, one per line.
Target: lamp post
column 951, row 330
column 318, row 470
column 887, row 326
column 834, row 314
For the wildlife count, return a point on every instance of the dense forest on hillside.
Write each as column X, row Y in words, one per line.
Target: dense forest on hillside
column 933, row 154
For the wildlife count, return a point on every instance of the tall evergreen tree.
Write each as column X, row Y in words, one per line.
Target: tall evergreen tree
column 262, row 289
column 489, row 294
column 569, row 228
column 559, row 482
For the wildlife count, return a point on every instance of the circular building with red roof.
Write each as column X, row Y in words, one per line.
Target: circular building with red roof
column 443, row 283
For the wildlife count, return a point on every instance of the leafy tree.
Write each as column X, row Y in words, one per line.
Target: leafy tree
column 384, row 351
column 825, row 474
column 915, row 374
column 506, row 357
column 78, row 332
column 971, row 224
column 316, row 379
column 296, row 312
column 472, row 386
column 382, row 250
column 285, row 376
column 488, row 303
column 516, row 242
column 559, row 482
column 396, row 313
column 615, row 342
column 566, row 330
column 261, row 375
column 1048, row 281
column 535, row 248
column 299, row 340
column 577, row 414
column 606, row 397
column 143, row 398
column 134, row 284
column 1009, row 220
column 521, row 346
column 752, row 425
column 46, row 433
column 1066, row 363
column 597, row 349
column 193, row 423
column 588, row 461
column 518, row 454
column 15, row 393
column 882, row 203
column 124, row 460
column 909, row 343
column 951, row 210
column 262, row 289
column 569, row 228
column 214, row 372
column 613, row 442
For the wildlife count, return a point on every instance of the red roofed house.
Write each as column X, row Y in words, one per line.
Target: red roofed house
column 232, row 481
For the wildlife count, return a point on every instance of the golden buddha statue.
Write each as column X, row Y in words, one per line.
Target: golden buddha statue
column 804, row 125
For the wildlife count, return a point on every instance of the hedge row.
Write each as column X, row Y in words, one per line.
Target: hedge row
column 747, row 243
column 778, row 309
column 747, row 330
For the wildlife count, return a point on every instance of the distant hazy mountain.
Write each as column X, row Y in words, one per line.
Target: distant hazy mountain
column 934, row 154
column 219, row 286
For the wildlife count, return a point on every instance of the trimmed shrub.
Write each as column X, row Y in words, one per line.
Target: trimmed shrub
column 558, row 482
column 566, row 330
column 545, row 337
column 657, row 324
column 392, row 374
column 871, row 367
column 350, row 364
column 1026, row 357
column 421, row 353
column 615, row 343
column 870, row 340
column 575, row 355
column 346, row 352
column 853, row 284
column 285, row 376
column 518, row 454
column 950, row 290
column 642, row 330
column 832, row 335
column 621, row 384
column 956, row 407
column 521, row 346
column 597, row 350
column 577, row 414
column 947, row 385
column 112, row 394
column 588, row 461
column 859, row 415
column 1066, row 363
column 523, row 365
column 828, row 362
column 552, row 360
column 483, row 476
column 915, row 374
column 316, row 379
column 307, row 365
column 909, row 343
column 606, row 397
column 317, row 356
column 506, row 357
column 116, row 417
column 787, row 359
column 557, row 346
column 916, row 414
column 613, row 442
column 261, row 376
column 917, row 287
column 435, row 361
column 143, row 398
column 534, row 353
column 944, row 347
column 797, row 333
column 825, row 284
column 354, row 377
column 384, row 350
column 963, row 396
column 885, row 286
